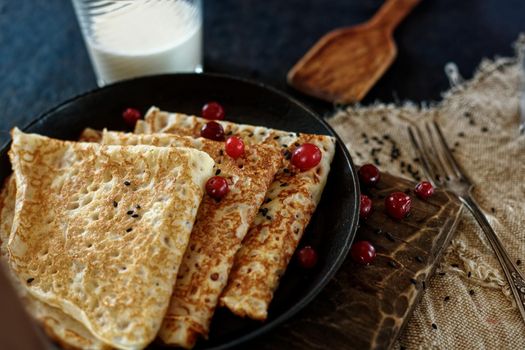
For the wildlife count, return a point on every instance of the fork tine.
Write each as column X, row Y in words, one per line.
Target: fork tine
column 422, row 155
column 451, row 160
column 430, row 153
column 441, row 162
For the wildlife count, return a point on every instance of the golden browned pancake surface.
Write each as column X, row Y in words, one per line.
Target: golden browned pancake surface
column 99, row 231
column 279, row 225
column 218, row 231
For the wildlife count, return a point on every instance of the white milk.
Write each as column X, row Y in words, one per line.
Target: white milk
column 146, row 37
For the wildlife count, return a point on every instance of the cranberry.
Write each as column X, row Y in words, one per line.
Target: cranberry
column 217, row 187
column 213, row 131
column 307, row 257
column 131, row 115
column 397, row 204
column 212, row 111
column 306, row 156
column 365, row 207
column 424, row 190
column 369, row 174
column 363, row 252
column 234, row 147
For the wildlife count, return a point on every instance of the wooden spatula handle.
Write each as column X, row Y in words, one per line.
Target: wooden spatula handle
column 392, row 12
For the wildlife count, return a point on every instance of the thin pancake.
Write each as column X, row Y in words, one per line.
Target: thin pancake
column 7, row 212
column 217, row 234
column 90, row 135
column 64, row 330
column 99, row 231
column 277, row 229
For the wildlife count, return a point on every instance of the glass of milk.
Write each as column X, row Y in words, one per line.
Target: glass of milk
column 130, row 38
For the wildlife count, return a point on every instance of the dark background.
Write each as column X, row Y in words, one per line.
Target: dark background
column 43, row 60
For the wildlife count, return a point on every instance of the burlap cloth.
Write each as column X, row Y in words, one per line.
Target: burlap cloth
column 480, row 121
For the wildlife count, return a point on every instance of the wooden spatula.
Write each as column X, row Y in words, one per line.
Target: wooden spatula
column 344, row 64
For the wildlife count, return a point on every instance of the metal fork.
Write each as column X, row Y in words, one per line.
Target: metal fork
column 443, row 171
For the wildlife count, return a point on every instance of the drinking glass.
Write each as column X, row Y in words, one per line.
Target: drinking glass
column 130, row 38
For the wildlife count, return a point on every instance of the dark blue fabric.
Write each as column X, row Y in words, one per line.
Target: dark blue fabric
column 43, row 60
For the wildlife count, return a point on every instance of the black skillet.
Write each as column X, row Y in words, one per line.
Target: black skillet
column 334, row 223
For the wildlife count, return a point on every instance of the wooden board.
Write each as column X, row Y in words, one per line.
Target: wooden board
column 366, row 307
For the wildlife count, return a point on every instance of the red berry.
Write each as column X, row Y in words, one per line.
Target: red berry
column 213, row 131
column 365, row 207
column 234, row 147
column 398, row 204
column 369, row 174
column 424, row 190
column 131, row 115
column 217, row 187
column 212, row 111
column 363, row 252
column 306, row 156
column 307, row 257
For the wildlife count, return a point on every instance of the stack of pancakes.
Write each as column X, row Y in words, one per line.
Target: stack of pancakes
column 113, row 243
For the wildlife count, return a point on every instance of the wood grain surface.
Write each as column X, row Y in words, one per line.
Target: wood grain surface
column 366, row 307
column 345, row 63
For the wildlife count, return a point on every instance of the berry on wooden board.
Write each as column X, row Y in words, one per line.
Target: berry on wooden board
column 424, row 190
column 398, row 204
column 369, row 175
column 365, row 206
column 363, row 252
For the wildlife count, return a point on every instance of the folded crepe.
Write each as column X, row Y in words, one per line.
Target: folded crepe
column 64, row 330
column 90, row 135
column 99, row 231
column 218, row 231
column 290, row 202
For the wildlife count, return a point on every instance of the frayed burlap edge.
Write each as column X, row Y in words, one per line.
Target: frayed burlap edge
column 480, row 120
